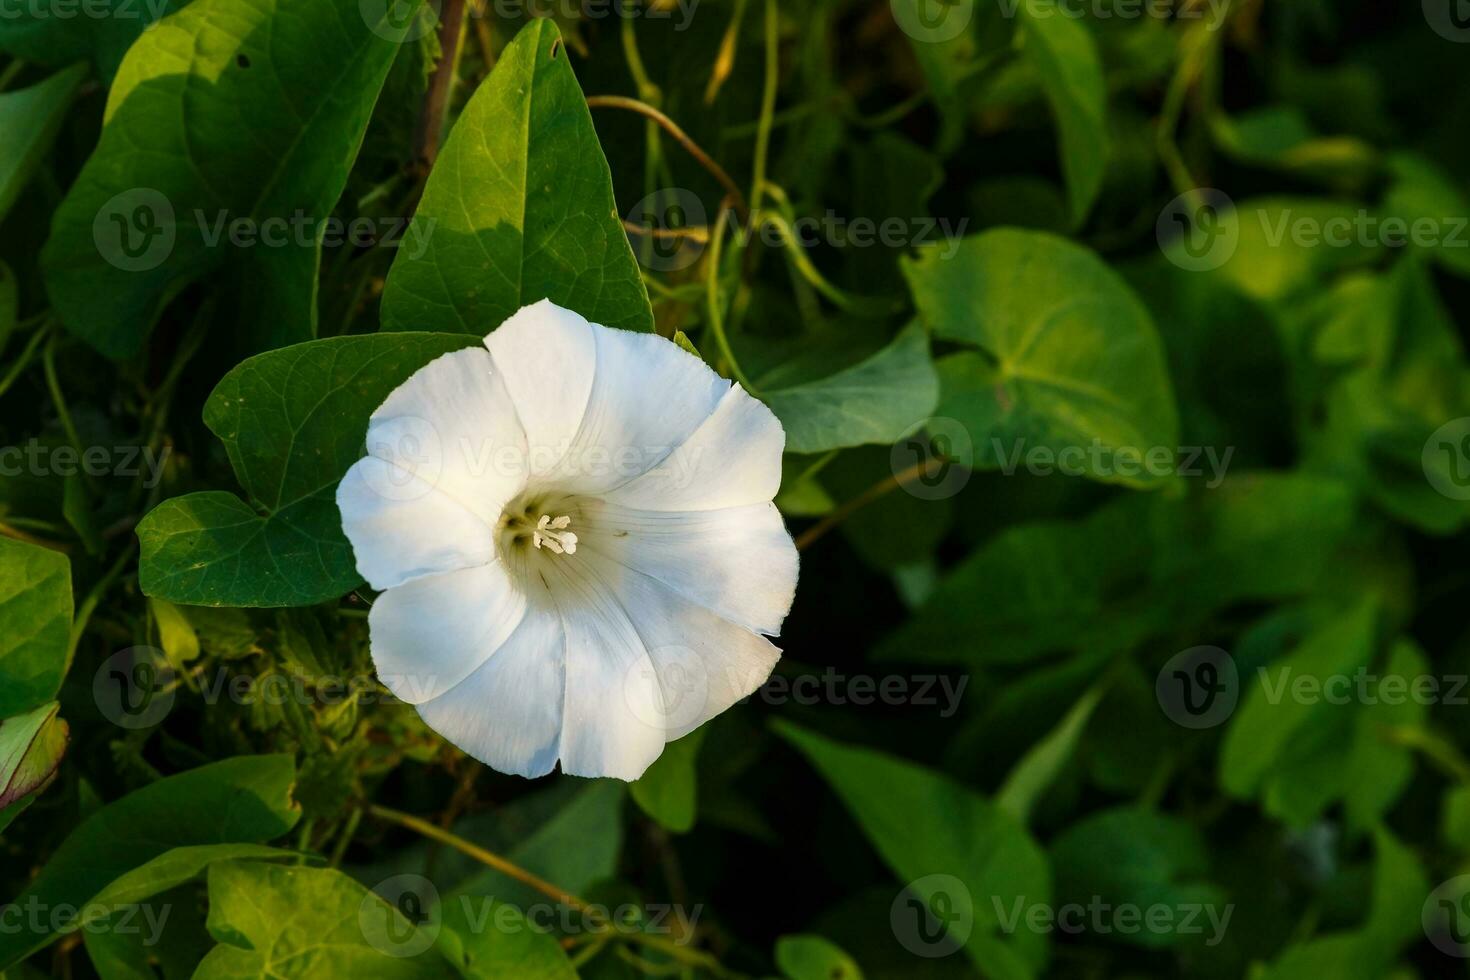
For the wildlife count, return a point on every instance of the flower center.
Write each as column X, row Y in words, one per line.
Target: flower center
column 551, row 533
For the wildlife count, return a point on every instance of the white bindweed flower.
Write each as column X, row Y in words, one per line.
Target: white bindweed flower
column 574, row 532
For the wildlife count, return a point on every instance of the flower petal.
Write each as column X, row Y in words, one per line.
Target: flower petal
column 453, row 424
column 508, row 712
column 648, row 398
column 401, row 528
column 548, row 358
column 430, row 634
column 613, row 720
column 739, row 563
column 704, row 664
column 733, row 458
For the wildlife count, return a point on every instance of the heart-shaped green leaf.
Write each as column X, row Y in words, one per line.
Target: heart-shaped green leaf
column 519, row 208
column 281, row 923
column 293, row 422
column 1069, row 360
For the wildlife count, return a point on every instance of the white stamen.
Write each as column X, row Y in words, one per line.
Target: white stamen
column 552, row 534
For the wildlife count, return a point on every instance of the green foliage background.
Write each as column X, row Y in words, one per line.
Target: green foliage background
column 1231, row 232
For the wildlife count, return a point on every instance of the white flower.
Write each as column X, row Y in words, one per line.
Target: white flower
column 574, row 533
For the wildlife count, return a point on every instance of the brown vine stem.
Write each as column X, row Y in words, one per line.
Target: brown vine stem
column 436, row 100
column 488, row 858
column 876, row 492
column 682, row 138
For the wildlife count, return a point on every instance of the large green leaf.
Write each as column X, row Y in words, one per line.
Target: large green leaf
column 30, row 119
column 1068, row 360
column 35, row 621
column 1066, row 59
column 244, row 799
column 283, row 923
column 1134, row 856
column 293, row 421
column 926, row 826
column 519, row 208
column 228, row 110
column 1272, row 715
column 876, row 401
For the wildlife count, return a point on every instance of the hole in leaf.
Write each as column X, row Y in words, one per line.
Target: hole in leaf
column 555, row 48
column 242, row 60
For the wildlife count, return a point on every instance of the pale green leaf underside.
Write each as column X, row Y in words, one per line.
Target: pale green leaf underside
column 876, row 401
